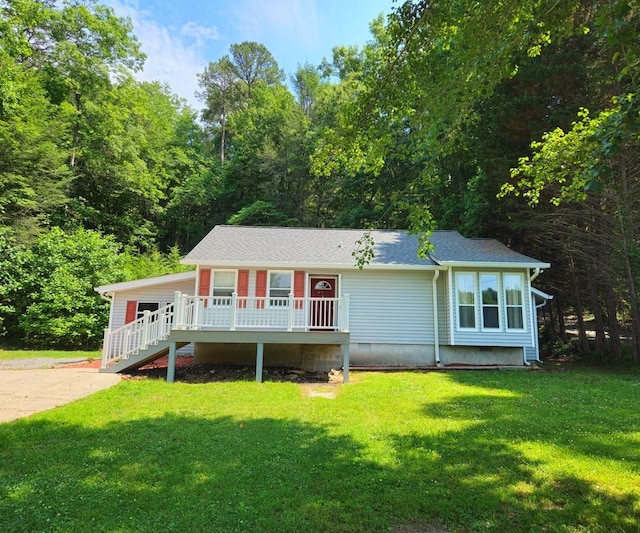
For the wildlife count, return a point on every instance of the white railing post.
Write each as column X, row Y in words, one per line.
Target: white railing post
column 145, row 329
column 106, row 341
column 234, row 311
column 345, row 314
column 177, row 308
column 196, row 313
column 291, row 312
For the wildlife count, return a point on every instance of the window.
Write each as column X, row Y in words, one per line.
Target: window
column 466, row 287
column 490, row 308
column 280, row 286
column 146, row 306
column 224, row 283
column 496, row 300
column 514, row 300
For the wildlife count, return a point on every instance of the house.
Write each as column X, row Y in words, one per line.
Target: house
column 295, row 297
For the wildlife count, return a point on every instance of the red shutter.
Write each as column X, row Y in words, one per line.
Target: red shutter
column 298, row 287
column 243, row 287
column 205, row 282
column 132, row 311
column 261, row 287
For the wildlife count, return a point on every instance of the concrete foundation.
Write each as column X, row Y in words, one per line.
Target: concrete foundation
column 419, row 355
column 324, row 357
column 310, row 357
column 476, row 355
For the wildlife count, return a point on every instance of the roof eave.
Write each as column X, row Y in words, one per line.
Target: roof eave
column 145, row 282
column 495, row 264
column 306, row 266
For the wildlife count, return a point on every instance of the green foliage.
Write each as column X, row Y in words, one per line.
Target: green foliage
column 261, row 213
column 11, row 280
column 60, row 309
column 34, row 177
column 151, row 263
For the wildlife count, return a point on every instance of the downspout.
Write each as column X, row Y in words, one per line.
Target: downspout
column 109, row 298
column 436, row 332
column 536, row 273
column 105, row 339
column 531, row 326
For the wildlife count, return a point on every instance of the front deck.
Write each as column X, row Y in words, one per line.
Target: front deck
column 227, row 319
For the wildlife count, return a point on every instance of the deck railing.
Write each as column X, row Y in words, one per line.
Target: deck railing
column 253, row 313
column 226, row 313
column 150, row 328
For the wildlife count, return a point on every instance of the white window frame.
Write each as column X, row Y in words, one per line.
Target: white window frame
column 214, row 299
column 474, row 278
column 269, row 297
column 498, row 305
column 507, row 306
column 140, row 314
column 478, row 305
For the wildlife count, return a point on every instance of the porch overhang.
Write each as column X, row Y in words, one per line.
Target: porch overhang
column 254, row 337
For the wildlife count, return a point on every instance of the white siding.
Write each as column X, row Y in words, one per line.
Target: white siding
column 443, row 308
column 161, row 294
column 389, row 306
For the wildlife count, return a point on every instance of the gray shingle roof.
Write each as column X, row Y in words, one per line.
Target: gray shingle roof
column 243, row 245
column 450, row 246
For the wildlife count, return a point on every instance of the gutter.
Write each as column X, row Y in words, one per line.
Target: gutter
column 436, row 333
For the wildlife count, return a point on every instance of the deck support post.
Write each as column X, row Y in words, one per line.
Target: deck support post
column 171, row 364
column 259, row 361
column 345, row 363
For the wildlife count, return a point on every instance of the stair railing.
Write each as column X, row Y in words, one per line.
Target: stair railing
column 127, row 340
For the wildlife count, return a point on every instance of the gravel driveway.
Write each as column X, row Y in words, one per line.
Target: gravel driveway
column 38, row 362
column 28, row 386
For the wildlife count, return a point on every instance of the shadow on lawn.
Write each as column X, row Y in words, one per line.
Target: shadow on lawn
column 180, row 473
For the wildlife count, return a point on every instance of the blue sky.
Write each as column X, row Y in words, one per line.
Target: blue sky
column 180, row 37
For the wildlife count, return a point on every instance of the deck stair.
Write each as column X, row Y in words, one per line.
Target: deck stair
column 142, row 357
column 139, row 342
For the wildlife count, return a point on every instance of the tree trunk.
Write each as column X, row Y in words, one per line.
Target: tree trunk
column 615, row 348
column 598, row 321
column 582, row 334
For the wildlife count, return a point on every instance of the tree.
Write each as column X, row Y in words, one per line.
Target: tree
column 270, row 154
column 227, row 85
column 306, row 83
column 11, row 281
column 253, row 63
column 56, row 59
column 34, row 177
column 59, row 308
column 221, row 95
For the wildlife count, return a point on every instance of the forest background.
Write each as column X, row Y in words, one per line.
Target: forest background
column 515, row 120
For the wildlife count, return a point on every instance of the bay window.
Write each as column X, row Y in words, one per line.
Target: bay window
column 496, row 300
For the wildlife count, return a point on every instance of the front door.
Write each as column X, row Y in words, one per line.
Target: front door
column 323, row 294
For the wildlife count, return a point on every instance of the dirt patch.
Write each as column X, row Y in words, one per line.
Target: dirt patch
column 187, row 372
column 94, row 363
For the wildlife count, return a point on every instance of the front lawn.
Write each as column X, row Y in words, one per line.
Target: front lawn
column 406, row 452
column 53, row 354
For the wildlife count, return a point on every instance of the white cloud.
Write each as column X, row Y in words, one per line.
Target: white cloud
column 201, row 34
column 175, row 58
column 298, row 19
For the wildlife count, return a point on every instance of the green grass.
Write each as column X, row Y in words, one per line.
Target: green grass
column 483, row 451
column 55, row 354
